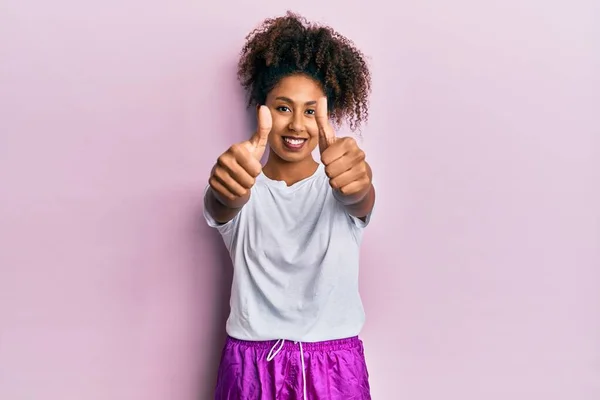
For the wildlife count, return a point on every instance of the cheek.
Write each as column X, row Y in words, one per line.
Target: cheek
column 274, row 140
column 314, row 137
column 313, row 131
column 279, row 126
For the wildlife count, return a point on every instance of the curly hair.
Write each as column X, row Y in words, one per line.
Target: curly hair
column 291, row 45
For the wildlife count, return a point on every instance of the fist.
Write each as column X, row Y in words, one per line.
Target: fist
column 344, row 161
column 235, row 171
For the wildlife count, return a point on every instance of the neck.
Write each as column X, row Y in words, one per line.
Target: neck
column 289, row 172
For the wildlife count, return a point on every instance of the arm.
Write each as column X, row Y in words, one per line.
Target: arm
column 221, row 212
column 235, row 172
column 349, row 174
column 363, row 207
column 360, row 204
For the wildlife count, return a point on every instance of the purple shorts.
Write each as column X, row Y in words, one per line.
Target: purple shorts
column 332, row 370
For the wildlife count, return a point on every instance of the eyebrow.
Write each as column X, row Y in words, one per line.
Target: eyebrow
column 287, row 99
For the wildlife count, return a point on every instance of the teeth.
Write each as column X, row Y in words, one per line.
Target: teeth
column 294, row 141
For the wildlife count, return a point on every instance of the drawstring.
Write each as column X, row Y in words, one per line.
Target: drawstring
column 272, row 355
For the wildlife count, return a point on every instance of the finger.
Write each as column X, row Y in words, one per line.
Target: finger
column 265, row 123
column 356, row 173
column 251, row 165
column 220, row 190
column 353, row 188
column 332, row 155
column 326, row 133
column 337, row 167
column 247, row 156
column 338, row 160
column 230, row 184
column 240, row 175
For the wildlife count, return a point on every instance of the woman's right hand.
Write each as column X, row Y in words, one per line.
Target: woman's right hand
column 235, row 171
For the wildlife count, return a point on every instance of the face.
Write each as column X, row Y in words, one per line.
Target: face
column 293, row 102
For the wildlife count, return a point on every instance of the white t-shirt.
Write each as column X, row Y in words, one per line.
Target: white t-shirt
column 295, row 253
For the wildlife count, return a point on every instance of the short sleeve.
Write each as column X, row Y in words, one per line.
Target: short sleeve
column 227, row 229
column 359, row 222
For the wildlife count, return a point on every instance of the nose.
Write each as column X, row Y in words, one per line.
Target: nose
column 297, row 123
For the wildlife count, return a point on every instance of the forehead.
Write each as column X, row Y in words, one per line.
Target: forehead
column 299, row 88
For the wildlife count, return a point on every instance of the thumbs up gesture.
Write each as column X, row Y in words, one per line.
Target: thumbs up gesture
column 344, row 161
column 235, row 171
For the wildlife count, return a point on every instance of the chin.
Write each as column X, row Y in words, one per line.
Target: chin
column 292, row 156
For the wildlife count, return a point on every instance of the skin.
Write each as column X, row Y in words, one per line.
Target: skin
column 296, row 107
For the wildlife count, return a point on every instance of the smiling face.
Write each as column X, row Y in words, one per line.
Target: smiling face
column 292, row 102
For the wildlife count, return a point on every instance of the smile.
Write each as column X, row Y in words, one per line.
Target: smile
column 294, row 143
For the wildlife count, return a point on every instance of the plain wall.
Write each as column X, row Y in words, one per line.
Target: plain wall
column 480, row 271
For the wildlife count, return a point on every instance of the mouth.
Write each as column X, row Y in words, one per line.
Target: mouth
column 294, row 143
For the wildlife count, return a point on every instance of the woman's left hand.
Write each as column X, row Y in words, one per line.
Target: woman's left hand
column 344, row 161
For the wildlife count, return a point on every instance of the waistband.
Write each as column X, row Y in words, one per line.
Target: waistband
column 290, row 345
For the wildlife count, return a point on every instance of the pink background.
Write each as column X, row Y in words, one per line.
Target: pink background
column 480, row 272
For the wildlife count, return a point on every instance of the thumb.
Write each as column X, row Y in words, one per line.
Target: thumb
column 326, row 132
column 261, row 136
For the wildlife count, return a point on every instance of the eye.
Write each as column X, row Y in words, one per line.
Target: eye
column 282, row 109
column 310, row 112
